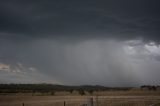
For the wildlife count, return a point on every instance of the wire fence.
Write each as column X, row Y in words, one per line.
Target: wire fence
column 92, row 101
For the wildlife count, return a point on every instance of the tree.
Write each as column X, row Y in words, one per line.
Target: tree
column 90, row 91
column 81, row 92
column 52, row 92
column 71, row 91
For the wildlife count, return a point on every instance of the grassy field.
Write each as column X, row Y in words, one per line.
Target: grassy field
column 107, row 98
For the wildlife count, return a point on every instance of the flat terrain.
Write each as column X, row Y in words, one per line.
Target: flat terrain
column 108, row 99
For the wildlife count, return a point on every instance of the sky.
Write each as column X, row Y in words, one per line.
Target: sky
column 80, row 42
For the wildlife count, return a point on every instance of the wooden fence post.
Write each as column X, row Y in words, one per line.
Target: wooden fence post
column 96, row 100
column 64, row 103
column 91, row 101
column 22, row 104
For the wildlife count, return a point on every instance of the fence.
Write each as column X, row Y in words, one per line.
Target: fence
column 93, row 101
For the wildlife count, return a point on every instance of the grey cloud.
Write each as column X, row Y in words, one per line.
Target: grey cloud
column 82, row 19
column 82, row 41
column 87, row 62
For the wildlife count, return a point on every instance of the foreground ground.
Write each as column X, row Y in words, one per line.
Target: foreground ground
column 124, row 98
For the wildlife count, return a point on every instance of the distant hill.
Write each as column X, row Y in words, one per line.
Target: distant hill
column 15, row 88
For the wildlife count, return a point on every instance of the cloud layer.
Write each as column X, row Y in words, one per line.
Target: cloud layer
column 105, row 42
column 102, row 62
column 126, row 19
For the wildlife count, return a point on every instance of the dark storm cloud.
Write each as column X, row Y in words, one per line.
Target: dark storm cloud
column 125, row 19
column 80, row 41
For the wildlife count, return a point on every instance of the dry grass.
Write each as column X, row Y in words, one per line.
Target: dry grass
column 108, row 98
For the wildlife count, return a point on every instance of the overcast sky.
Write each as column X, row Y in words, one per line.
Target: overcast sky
column 80, row 42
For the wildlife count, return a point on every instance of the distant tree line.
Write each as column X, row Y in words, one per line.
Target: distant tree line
column 150, row 87
column 51, row 88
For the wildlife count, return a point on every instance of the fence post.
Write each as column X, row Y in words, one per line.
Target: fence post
column 91, row 101
column 64, row 103
column 96, row 100
column 22, row 104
